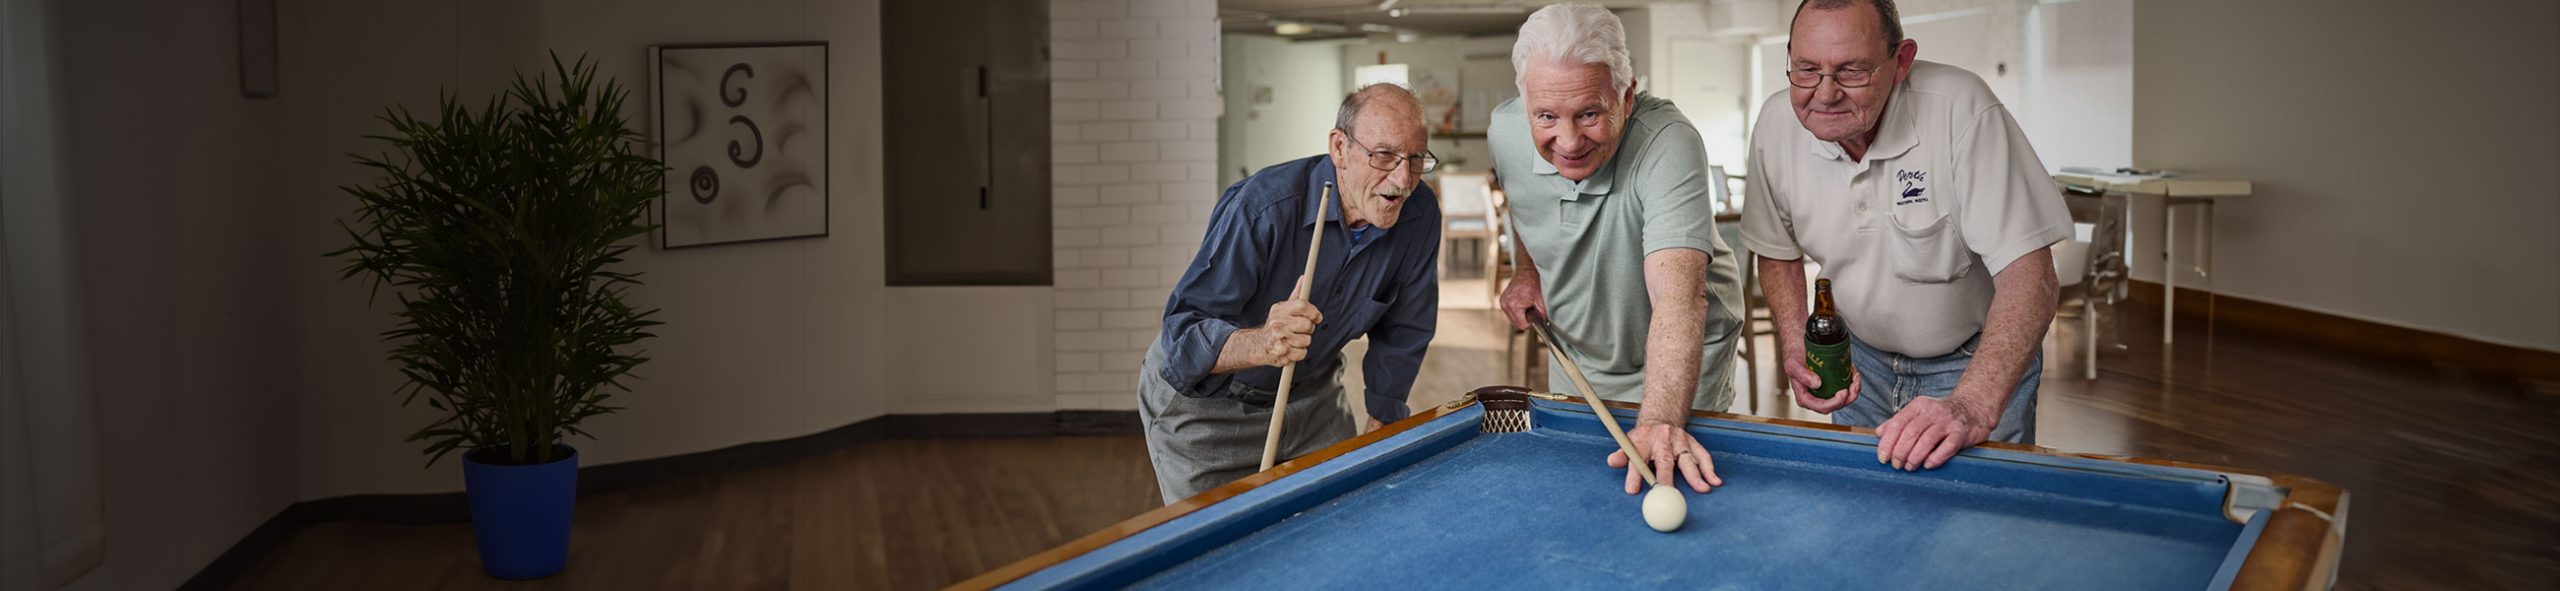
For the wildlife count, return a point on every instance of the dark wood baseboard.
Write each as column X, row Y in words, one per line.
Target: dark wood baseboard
column 621, row 476
column 2357, row 335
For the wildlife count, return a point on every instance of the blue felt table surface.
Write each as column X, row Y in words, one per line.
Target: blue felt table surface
column 1540, row 510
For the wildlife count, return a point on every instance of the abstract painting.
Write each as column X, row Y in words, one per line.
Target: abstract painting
column 742, row 129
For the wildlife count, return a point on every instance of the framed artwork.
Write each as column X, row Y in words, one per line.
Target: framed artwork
column 742, row 129
column 1437, row 89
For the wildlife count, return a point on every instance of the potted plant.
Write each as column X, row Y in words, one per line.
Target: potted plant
column 500, row 231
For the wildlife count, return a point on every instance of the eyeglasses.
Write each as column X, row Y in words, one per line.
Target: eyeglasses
column 1808, row 77
column 1423, row 163
column 1845, row 77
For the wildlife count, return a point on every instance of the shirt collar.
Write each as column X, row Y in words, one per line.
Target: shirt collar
column 1897, row 134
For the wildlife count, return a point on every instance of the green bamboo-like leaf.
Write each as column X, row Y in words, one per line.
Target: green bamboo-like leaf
column 499, row 230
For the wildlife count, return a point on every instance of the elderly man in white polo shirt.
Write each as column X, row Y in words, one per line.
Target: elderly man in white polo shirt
column 1918, row 196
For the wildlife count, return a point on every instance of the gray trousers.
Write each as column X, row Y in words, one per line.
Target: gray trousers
column 1197, row 444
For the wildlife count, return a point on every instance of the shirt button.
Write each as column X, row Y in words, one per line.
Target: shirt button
column 1862, row 208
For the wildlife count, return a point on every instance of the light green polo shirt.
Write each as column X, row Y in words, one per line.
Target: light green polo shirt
column 1589, row 240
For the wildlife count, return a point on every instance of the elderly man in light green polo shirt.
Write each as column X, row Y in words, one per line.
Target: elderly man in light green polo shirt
column 1609, row 201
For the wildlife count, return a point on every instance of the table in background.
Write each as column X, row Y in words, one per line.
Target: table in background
column 2174, row 192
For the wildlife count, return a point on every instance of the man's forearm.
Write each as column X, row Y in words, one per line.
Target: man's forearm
column 2022, row 307
column 1238, row 353
column 1674, row 279
column 1782, row 285
column 1521, row 264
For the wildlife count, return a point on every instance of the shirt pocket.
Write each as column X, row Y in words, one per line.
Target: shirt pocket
column 1930, row 252
column 1356, row 316
column 1368, row 310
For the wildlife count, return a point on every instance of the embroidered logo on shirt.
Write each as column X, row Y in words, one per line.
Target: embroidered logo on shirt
column 1915, row 185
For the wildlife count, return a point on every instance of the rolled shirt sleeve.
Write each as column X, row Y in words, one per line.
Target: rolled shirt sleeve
column 1253, row 256
column 1219, row 285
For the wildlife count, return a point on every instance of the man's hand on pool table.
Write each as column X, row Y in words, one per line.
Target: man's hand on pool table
column 1929, row 430
column 1661, row 444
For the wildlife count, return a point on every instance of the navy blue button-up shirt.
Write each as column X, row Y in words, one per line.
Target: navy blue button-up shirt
column 1382, row 287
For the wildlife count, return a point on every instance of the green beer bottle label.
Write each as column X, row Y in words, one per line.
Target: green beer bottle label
column 1831, row 362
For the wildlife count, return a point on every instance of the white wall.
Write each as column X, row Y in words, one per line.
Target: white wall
column 52, row 521
column 762, row 341
column 1134, row 119
column 2402, row 153
column 181, row 266
column 232, row 367
column 236, row 375
column 1484, row 72
column 1306, row 89
column 969, row 350
column 2079, row 83
column 1708, row 75
column 1640, row 34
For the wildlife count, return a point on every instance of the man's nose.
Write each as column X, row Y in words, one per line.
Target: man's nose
column 1829, row 92
column 1407, row 173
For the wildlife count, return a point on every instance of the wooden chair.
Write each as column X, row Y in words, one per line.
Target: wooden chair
column 1467, row 213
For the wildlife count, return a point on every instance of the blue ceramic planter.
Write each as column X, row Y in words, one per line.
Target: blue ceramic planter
column 520, row 514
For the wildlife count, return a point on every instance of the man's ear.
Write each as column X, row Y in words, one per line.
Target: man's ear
column 1336, row 144
column 1904, row 52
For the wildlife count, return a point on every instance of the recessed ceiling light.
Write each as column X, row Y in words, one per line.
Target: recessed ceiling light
column 1292, row 29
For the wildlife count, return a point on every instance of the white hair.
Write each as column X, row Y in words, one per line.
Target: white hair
column 1574, row 34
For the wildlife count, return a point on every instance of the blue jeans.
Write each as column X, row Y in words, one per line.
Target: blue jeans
column 1889, row 380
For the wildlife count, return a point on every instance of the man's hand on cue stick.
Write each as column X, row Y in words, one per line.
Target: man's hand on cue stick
column 1289, row 373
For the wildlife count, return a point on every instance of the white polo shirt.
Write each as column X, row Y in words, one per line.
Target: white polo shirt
column 1911, row 236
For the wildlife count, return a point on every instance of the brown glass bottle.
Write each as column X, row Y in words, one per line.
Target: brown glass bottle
column 1826, row 343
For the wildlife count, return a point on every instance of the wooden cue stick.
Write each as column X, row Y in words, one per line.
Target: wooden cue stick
column 1555, row 348
column 1306, row 281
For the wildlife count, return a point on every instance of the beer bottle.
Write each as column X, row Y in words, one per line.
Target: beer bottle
column 1826, row 343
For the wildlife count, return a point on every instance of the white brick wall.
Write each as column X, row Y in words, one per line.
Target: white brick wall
column 1134, row 147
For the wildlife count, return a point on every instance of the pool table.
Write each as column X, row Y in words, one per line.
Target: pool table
column 1505, row 488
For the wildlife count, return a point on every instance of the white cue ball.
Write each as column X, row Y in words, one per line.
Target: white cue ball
column 1664, row 508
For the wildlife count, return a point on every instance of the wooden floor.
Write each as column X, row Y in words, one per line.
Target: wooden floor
column 2455, row 478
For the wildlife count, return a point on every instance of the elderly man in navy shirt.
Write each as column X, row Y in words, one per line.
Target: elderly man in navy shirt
column 1210, row 378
